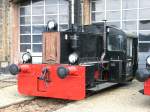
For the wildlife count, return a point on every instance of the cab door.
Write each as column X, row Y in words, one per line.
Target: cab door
column 116, row 54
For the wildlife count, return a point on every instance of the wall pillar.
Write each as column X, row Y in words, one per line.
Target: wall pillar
column 15, row 48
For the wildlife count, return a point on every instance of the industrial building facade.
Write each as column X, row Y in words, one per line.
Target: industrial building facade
column 29, row 19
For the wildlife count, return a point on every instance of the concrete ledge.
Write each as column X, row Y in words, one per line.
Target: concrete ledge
column 10, row 96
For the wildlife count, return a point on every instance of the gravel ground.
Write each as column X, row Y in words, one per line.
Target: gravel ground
column 37, row 105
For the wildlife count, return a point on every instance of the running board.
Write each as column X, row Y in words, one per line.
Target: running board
column 102, row 86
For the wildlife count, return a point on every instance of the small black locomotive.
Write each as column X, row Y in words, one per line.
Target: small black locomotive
column 84, row 57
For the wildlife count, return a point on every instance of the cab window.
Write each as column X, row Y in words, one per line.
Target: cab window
column 115, row 40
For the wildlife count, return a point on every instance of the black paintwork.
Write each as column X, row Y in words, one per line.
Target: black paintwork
column 89, row 45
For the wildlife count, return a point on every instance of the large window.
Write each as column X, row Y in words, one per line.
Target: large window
column 119, row 13
column 34, row 16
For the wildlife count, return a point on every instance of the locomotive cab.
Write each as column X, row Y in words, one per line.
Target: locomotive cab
column 84, row 57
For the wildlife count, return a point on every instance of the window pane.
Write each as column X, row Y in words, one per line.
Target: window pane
column 98, row 5
column 37, row 38
column 51, row 17
column 144, row 36
column 144, row 3
column 144, row 47
column 113, row 4
column 144, row 25
column 37, row 2
column 129, row 25
column 48, row 2
column 37, row 20
column 37, row 47
column 25, row 20
column 37, row 29
column 144, row 14
column 25, row 39
column 63, row 9
column 129, row 14
column 64, row 19
column 24, row 47
column 25, row 29
column 127, row 4
column 25, row 11
column 98, row 16
column 113, row 15
column 51, row 9
column 116, row 24
column 38, row 10
column 115, row 42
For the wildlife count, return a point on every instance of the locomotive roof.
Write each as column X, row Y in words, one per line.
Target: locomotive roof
column 127, row 33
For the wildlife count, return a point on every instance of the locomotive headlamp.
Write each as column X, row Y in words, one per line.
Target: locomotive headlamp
column 27, row 58
column 51, row 25
column 73, row 58
column 148, row 60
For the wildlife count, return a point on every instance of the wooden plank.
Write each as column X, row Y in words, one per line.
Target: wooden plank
column 51, row 47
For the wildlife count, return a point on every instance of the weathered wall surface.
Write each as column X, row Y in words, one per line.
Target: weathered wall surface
column 4, row 32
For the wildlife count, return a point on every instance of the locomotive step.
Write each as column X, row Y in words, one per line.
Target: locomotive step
column 102, row 86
